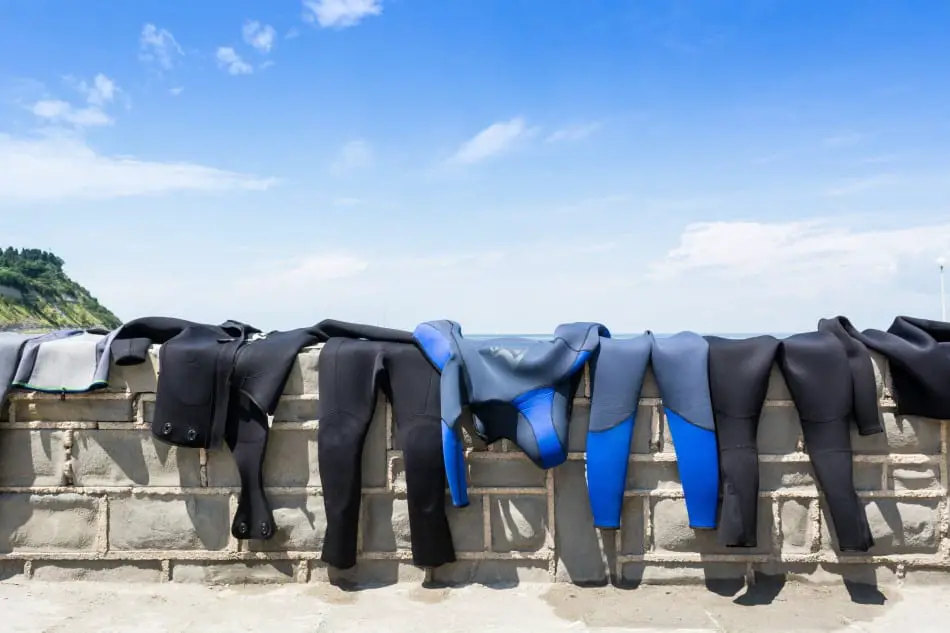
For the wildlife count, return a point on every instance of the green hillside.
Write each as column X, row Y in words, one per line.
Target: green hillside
column 35, row 294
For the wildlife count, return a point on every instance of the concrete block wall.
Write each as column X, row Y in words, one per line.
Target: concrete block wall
column 85, row 492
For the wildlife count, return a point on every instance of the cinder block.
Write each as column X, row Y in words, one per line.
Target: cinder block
column 680, row 573
column 797, row 528
column 303, row 377
column 631, row 526
column 897, row 526
column 368, row 573
column 98, row 571
column 902, row 434
column 188, row 522
column 868, row 476
column 671, row 531
column 650, row 389
column 652, row 475
column 296, row 411
column 493, row 573
column 518, row 523
column 786, row 475
column 581, row 556
column 301, row 524
column 141, row 378
column 75, row 409
column 233, row 572
column 778, row 431
column 778, row 388
column 132, row 457
column 385, row 523
column 290, row 461
column 914, row 477
column 31, row 458
column 467, row 524
column 505, row 473
column 48, row 523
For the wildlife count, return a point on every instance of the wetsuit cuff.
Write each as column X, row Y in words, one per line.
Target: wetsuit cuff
column 870, row 430
column 132, row 351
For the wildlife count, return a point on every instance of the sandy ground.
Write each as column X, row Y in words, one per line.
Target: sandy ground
column 80, row 607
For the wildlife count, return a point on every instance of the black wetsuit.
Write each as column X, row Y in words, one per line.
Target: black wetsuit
column 819, row 377
column 215, row 385
column 350, row 373
column 918, row 355
column 738, row 381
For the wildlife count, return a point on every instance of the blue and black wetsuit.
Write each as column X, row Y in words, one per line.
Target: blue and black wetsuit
column 516, row 388
column 680, row 365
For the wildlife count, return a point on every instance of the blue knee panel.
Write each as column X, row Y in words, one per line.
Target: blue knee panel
column 697, row 458
column 608, row 452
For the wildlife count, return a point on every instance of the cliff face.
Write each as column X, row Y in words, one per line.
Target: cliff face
column 35, row 294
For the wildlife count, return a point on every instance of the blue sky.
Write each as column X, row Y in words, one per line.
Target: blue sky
column 734, row 166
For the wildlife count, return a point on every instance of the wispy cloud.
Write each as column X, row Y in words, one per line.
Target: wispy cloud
column 260, row 36
column 573, row 132
column 63, row 112
column 493, row 140
column 98, row 94
column 356, row 154
column 347, row 202
column 815, row 252
column 340, row 14
column 856, row 186
column 177, row 90
column 231, row 61
column 58, row 167
column 158, row 46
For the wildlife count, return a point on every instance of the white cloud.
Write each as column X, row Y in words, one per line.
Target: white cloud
column 303, row 275
column 347, row 202
column 64, row 167
column 177, row 90
column 340, row 13
column 812, row 252
column 158, row 46
column 493, row 140
column 101, row 92
column 357, row 154
column 260, row 36
column 574, row 132
column 229, row 60
column 57, row 111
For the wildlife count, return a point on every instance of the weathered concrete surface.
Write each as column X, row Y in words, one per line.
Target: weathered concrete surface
column 81, row 607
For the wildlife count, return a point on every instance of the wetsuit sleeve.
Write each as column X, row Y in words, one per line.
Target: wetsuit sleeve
column 864, row 385
column 439, row 350
column 617, row 372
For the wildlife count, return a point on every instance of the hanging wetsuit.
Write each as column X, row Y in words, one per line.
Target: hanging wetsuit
column 918, row 355
column 65, row 361
column 680, row 365
column 818, row 374
column 516, row 388
column 350, row 372
column 218, row 384
column 739, row 372
column 11, row 349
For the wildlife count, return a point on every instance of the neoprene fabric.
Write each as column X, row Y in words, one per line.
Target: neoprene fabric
column 350, row 373
column 680, row 365
column 516, row 388
column 918, row 354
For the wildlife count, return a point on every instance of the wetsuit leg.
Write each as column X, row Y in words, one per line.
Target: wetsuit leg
column 347, row 385
column 413, row 389
column 681, row 367
column 818, row 375
column 738, row 381
column 246, row 437
column 349, row 373
column 617, row 373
